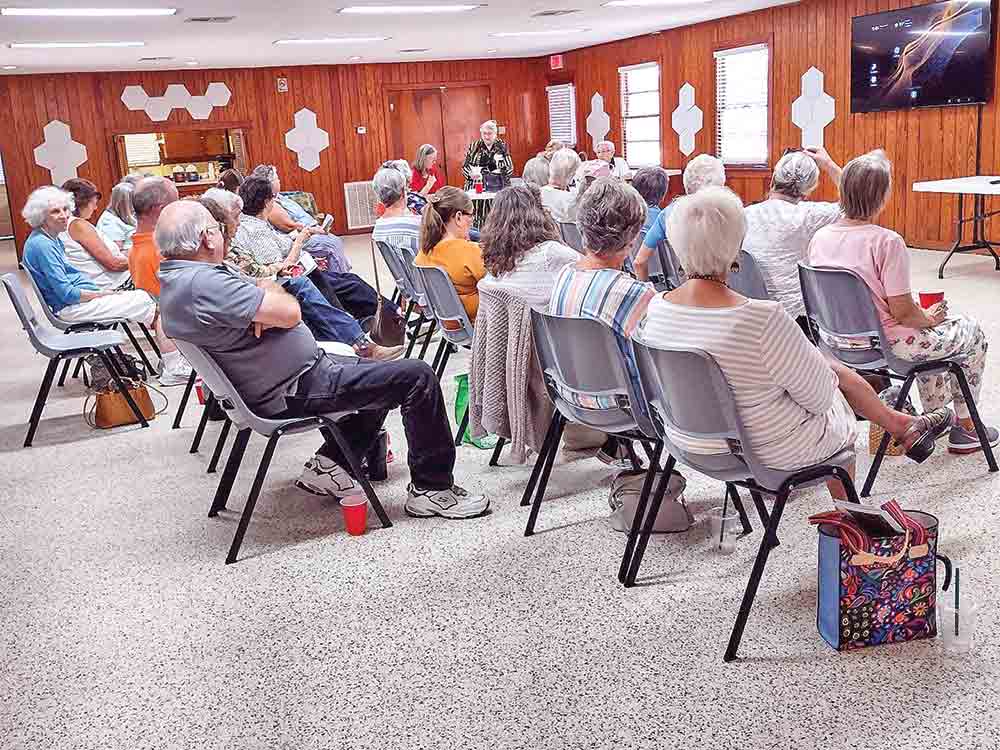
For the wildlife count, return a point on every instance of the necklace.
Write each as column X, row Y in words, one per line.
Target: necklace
column 707, row 277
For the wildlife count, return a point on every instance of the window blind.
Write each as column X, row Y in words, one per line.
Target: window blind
column 741, row 116
column 640, row 94
column 562, row 113
column 142, row 149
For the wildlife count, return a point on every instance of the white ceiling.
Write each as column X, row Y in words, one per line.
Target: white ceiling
column 248, row 41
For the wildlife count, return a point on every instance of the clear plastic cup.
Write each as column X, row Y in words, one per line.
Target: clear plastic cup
column 724, row 528
column 957, row 634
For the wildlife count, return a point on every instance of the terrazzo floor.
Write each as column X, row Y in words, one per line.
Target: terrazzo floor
column 120, row 627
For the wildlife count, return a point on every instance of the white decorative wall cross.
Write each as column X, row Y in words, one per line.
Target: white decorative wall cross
column 598, row 122
column 176, row 96
column 59, row 153
column 307, row 139
column 814, row 110
column 687, row 120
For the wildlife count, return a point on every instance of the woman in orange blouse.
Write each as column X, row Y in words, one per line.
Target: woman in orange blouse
column 444, row 242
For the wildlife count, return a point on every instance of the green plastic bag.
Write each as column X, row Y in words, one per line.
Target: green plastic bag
column 461, row 406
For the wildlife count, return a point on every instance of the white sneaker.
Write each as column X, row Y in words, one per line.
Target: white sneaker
column 176, row 372
column 451, row 503
column 321, row 476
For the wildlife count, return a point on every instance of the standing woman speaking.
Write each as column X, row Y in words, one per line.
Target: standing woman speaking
column 492, row 156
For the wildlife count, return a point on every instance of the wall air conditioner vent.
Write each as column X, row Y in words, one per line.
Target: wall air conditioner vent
column 360, row 199
column 209, row 19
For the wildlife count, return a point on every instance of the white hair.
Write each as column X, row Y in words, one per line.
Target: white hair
column 536, row 171
column 267, row 171
column 489, row 125
column 389, row 184
column 180, row 234
column 795, row 175
column 228, row 201
column 703, row 171
column 706, row 231
column 42, row 200
column 604, row 144
column 563, row 166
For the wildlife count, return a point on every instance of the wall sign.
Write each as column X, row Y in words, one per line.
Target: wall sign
column 556, row 62
column 176, row 96
column 59, row 153
column 307, row 139
column 813, row 110
column 687, row 120
column 282, row 85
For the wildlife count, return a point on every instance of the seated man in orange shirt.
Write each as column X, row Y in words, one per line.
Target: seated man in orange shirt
column 151, row 196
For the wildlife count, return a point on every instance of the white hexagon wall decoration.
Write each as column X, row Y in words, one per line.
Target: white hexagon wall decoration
column 176, row 96
column 687, row 120
column 307, row 139
column 598, row 122
column 813, row 110
column 59, row 153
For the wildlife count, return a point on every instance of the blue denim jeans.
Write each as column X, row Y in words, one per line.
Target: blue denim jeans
column 327, row 323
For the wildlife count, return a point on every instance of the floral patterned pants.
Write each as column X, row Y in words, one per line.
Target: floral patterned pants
column 955, row 336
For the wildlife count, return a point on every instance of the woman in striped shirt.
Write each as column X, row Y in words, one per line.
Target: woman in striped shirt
column 797, row 406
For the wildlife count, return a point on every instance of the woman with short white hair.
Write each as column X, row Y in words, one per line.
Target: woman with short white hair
column 780, row 228
column 118, row 222
column 795, row 404
column 882, row 259
column 557, row 197
column 398, row 226
column 490, row 155
column 620, row 169
column 536, row 171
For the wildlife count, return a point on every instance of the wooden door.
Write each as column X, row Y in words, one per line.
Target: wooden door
column 415, row 119
column 465, row 109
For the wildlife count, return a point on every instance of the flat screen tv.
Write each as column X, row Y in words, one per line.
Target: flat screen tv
column 927, row 56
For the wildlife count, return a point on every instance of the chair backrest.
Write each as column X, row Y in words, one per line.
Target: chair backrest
column 54, row 319
column 668, row 263
column 843, row 318
column 582, row 356
column 445, row 304
column 748, row 281
column 395, row 262
column 571, row 236
column 37, row 331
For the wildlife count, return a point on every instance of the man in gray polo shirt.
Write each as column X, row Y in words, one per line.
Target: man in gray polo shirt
column 254, row 331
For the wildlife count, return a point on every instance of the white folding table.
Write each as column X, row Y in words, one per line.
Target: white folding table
column 978, row 187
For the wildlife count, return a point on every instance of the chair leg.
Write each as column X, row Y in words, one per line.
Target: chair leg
column 884, row 444
column 462, row 427
column 138, row 349
column 230, row 472
column 414, row 335
column 43, row 395
column 767, row 543
column 331, row 430
column 78, row 371
column 733, row 493
column 647, row 523
column 182, row 406
column 409, row 310
column 984, row 439
column 640, row 510
column 540, row 461
column 122, row 389
column 427, row 339
column 634, row 459
column 196, row 443
column 495, row 458
column 258, row 483
column 151, row 340
column 442, row 366
column 219, row 445
column 65, row 372
column 543, row 479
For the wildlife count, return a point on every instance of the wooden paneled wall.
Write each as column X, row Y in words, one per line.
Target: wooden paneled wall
column 343, row 97
column 924, row 145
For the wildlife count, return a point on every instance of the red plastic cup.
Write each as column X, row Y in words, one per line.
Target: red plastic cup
column 355, row 510
column 928, row 299
column 479, row 187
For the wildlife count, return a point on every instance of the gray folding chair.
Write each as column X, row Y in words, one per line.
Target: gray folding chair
column 92, row 325
column 400, row 264
column 67, row 345
column 670, row 267
column 748, row 280
column 581, row 356
column 570, row 234
column 273, row 429
column 847, row 327
column 688, row 395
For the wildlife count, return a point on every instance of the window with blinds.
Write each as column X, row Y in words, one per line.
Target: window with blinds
column 142, row 149
column 562, row 113
column 741, row 116
column 640, row 92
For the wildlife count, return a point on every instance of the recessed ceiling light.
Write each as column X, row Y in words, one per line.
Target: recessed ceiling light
column 191, row 62
column 88, row 12
column 643, row 3
column 336, row 40
column 538, row 33
column 10, row 67
column 377, row 10
column 354, row 58
column 490, row 51
column 72, row 45
column 415, row 49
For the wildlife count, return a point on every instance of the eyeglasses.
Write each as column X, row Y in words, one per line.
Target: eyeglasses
column 219, row 226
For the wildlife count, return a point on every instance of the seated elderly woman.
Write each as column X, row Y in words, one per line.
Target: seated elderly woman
column 780, row 228
column 444, row 242
column 426, row 179
column 261, row 251
column 796, row 405
column 605, row 151
column 557, row 196
column 88, row 249
column 880, row 257
column 118, row 222
column 701, row 172
column 536, row 171
column 397, row 226
column 68, row 292
column 550, row 149
column 595, row 287
column 289, row 217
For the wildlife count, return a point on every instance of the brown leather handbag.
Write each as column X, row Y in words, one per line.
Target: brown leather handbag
column 387, row 328
column 112, row 410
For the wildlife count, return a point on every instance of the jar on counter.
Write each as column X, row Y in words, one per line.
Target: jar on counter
column 178, row 174
column 192, row 173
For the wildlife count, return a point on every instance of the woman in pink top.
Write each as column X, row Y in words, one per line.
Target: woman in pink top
column 880, row 257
